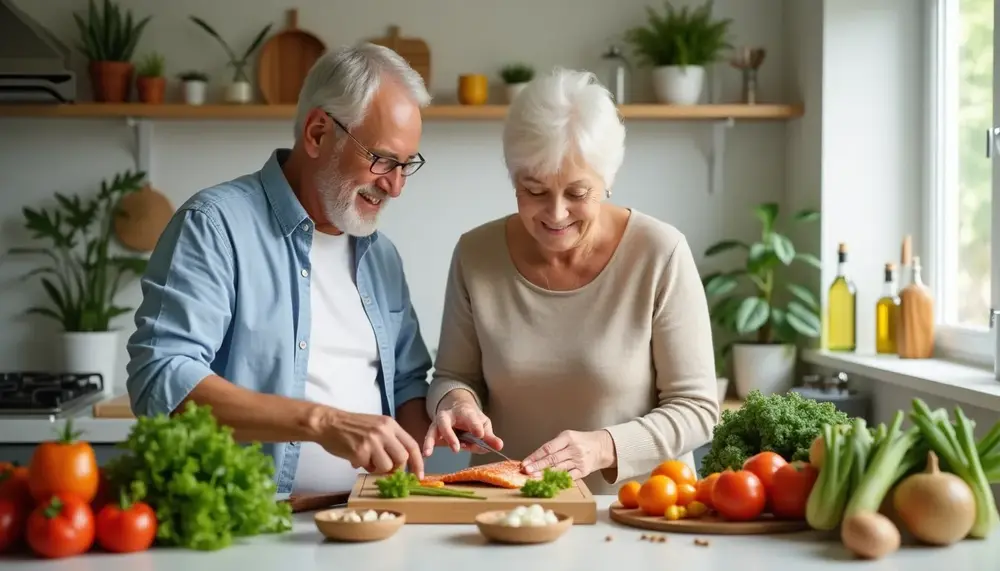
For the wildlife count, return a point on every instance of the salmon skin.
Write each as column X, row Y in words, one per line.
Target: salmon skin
column 506, row 474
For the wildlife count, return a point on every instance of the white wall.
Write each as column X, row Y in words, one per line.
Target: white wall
column 665, row 172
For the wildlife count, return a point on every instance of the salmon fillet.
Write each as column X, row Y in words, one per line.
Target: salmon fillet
column 505, row 474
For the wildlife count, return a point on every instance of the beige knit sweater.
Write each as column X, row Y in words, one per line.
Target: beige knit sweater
column 630, row 352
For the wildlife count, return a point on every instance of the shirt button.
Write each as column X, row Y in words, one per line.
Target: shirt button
column 367, row 300
column 305, row 227
column 302, row 344
column 305, row 273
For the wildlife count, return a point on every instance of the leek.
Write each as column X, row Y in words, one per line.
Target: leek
column 829, row 494
column 891, row 458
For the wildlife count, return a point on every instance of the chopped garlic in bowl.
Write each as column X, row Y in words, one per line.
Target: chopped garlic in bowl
column 351, row 516
column 531, row 516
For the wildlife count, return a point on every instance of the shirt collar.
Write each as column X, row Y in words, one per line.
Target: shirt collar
column 286, row 206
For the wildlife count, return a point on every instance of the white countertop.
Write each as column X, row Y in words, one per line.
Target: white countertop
column 23, row 429
column 421, row 547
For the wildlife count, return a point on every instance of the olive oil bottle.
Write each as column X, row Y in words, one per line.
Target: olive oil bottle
column 887, row 314
column 842, row 307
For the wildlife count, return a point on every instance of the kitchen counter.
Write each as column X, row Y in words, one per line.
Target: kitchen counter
column 584, row 547
column 22, row 429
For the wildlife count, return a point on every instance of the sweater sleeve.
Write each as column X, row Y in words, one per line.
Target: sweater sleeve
column 459, row 359
column 684, row 360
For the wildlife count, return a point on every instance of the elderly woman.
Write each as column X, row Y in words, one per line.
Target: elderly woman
column 576, row 329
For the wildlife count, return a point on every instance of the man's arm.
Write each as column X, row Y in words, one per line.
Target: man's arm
column 413, row 362
column 188, row 297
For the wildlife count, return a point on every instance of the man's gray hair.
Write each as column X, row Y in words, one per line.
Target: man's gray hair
column 343, row 82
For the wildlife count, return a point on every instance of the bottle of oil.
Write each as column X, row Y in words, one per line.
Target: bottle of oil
column 842, row 307
column 887, row 314
column 915, row 337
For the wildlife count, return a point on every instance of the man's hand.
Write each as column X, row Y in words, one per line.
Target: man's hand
column 374, row 442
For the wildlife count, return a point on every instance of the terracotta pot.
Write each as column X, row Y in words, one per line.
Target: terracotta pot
column 151, row 89
column 111, row 81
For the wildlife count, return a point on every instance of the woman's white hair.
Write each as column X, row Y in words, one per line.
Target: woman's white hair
column 343, row 82
column 566, row 113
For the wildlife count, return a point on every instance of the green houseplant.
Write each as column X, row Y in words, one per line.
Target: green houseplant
column 82, row 276
column 239, row 89
column 108, row 39
column 765, row 327
column 150, row 83
column 515, row 76
column 678, row 45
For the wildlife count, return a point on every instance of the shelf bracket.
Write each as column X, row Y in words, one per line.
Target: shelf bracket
column 142, row 150
column 717, row 160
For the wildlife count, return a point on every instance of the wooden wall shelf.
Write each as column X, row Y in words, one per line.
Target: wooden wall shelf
column 434, row 112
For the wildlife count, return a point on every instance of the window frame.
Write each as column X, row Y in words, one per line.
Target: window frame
column 974, row 345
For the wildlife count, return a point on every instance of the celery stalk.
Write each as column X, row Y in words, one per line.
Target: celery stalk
column 829, row 494
column 880, row 474
column 861, row 446
column 956, row 445
column 990, row 443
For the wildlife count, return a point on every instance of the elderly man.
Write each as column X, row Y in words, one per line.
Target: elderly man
column 272, row 297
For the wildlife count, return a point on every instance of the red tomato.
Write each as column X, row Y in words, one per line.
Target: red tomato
column 64, row 466
column 13, row 516
column 764, row 465
column 104, row 494
column 61, row 527
column 738, row 496
column 14, row 484
column 124, row 528
column 792, row 485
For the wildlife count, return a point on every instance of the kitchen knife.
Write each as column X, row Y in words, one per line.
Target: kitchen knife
column 469, row 438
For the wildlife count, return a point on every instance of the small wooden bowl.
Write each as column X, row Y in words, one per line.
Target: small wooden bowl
column 488, row 526
column 339, row 530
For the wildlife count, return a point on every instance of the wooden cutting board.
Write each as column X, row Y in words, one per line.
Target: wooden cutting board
column 116, row 407
column 414, row 50
column 577, row 502
column 285, row 61
column 708, row 525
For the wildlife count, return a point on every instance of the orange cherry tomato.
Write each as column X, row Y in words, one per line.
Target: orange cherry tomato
column 686, row 493
column 677, row 471
column 628, row 495
column 792, row 485
column 703, row 491
column 656, row 495
column 764, row 465
column 739, row 496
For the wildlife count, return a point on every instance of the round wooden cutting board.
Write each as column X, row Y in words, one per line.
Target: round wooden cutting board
column 285, row 61
column 145, row 213
column 708, row 525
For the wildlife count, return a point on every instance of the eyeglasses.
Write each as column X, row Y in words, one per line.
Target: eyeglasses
column 383, row 165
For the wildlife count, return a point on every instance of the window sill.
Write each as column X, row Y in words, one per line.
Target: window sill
column 965, row 384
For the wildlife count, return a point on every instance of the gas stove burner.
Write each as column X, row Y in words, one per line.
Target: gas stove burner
column 31, row 392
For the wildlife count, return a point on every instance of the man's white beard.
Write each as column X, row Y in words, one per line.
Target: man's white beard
column 338, row 198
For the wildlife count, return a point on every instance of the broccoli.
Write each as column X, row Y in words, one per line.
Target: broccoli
column 786, row 424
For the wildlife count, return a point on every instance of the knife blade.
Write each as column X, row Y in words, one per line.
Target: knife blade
column 470, row 438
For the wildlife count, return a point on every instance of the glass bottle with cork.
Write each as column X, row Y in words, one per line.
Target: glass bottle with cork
column 887, row 314
column 915, row 335
column 842, row 307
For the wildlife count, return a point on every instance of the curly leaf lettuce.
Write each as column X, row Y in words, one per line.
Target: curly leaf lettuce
column 783, row 423
column 205, row 487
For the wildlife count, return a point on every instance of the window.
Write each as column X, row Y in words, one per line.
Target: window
column 961, row 265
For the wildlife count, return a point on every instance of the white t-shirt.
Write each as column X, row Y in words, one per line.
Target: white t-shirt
column 343, row 359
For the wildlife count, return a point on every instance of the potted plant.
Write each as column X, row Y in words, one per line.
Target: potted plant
column 150, row 84
column 515, row 76
column 765, row 329
column 239, row 89
column 108, row 40
column 83, row 276
column 195, row 84
column 678, row 45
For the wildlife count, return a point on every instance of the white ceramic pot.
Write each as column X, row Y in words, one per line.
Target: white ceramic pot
column 239, row 92
column 678, row 85
column 92, row 352
column 513, row 89
column 767, row 368
column 723, row 385
column 194, row 92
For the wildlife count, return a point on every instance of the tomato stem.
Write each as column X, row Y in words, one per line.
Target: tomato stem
column 68, row 435
column 55, row 506
column 124, row 501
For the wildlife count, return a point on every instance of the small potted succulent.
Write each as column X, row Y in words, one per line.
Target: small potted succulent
column 150, row 83
column 239, row 89
column 515, row 76
column 195, row 84
column 678, row 46
column 108, row 39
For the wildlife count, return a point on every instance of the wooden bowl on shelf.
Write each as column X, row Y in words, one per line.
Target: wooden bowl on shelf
column 332, row 525
column 491, row 525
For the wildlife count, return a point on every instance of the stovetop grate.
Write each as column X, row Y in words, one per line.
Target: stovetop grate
column 34, row 392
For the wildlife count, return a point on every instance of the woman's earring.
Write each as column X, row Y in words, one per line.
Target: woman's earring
column 607, row 191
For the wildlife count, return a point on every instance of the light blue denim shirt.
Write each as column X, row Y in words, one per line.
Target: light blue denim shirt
column 227, row 292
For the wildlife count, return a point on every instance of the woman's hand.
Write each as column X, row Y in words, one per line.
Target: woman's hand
column 458, row 411
column 578, row 453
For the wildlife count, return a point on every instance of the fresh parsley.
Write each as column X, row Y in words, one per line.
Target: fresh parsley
column 401, row 484
column 549, row 485
column 205, row 487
